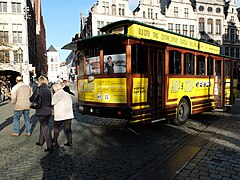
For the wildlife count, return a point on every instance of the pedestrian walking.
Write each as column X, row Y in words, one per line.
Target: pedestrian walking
column 20, row 95
column 44, row 113
column 63, row 113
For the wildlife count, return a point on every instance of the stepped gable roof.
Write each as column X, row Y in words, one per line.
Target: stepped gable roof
column 51, row 49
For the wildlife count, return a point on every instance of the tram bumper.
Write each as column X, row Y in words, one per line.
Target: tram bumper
column 113, row 112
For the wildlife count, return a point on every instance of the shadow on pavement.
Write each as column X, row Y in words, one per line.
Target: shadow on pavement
column 58, row 165
column 7, row 122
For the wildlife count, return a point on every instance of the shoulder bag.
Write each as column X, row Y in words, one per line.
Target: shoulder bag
column 35, row 100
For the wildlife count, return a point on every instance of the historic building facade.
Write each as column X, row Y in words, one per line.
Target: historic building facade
column 53, row 61
column 215, row 21
column 18, row 50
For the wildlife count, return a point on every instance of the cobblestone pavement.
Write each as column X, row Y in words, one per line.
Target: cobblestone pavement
column 207, row 147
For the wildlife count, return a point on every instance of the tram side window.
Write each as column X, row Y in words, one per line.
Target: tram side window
column 139, row 59
column 114, row 59
column 200, row 65
column 218, row 68
column 175, row 59
column 92, row 61
column 235, row 70
column 228, row 68
column 189, row 64
column 210, row 66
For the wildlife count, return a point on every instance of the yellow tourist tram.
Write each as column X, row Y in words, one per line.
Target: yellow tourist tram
column 144, row 74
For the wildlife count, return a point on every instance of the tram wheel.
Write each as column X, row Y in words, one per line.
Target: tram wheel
column 182, row 113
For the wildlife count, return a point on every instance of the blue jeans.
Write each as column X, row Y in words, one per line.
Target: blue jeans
column 16, row 120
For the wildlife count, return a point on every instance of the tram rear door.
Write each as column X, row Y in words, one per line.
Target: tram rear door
column 156, row 83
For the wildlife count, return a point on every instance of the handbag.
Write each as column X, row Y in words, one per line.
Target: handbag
column 35, row 99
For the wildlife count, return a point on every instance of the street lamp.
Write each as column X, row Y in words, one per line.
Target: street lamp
column 20, row 51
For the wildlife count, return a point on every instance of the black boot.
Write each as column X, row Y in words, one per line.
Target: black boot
column 69, row 144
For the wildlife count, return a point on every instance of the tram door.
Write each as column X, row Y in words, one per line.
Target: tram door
column 218, row 93
column 156, row 83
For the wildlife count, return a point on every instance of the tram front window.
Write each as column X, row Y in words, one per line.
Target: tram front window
column 92, row 62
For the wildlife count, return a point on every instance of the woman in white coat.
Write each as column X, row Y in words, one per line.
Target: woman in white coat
column 63, row 113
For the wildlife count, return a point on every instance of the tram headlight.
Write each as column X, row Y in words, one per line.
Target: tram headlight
column 91, row 110
column 119, row 113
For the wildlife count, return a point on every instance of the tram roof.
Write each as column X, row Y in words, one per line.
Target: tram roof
column 110, row 38
column 103, row 38
column 132, row 28
column 128, row 22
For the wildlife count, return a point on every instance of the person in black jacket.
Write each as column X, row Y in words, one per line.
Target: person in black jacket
column 44, row 113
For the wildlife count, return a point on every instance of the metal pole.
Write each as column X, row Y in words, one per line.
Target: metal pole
column 20, row 59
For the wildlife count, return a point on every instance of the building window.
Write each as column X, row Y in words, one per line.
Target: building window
column 201, row 8
column 218, row 26
column 186, row 13
column 16, row 7
column 232, row 19
column 17, row 33
column 218, row 10
column 156, row 15
column 227, row 51
column 237, row 35
column 3, row 6
column 99, row 25
column 209, row 9
column 226, row 36
column 237, row 52
column 170, row 26
column 121, row 10
column 175, row 11
column 185, row 30
column 16, row 57
column 191, row 31
column 4, row 56
column 17, row 36
column 4, row 33
column 106, row 7
column 114, row 10
column 177, row 28
column 232, row 35
column 52, row 67
column 232, row 52
column 201, row 25
column 144, row 14
column 210, row 26
column 52, row 59
column 56, row 67
column 150, row 13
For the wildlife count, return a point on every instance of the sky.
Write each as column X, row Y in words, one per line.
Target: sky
column 62, row 20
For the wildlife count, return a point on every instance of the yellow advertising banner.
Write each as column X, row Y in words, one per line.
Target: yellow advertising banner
column 106, row 90
column 209, row 48
column 170, row 38
column 140, row 89
column 192, row 87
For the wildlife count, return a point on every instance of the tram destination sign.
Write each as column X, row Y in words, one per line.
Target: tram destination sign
column 141, row 31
